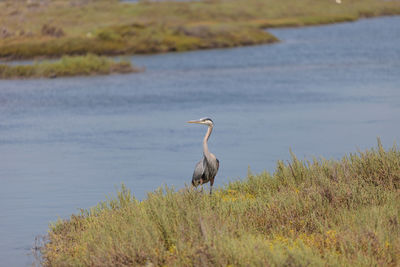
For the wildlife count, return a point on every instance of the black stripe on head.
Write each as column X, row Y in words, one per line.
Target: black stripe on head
column 207, row 119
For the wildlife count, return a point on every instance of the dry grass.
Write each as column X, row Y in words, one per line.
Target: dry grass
column 307, row 213
column 59, row 27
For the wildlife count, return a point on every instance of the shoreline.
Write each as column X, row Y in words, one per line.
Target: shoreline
column 149, row 28
column 160, row 27
column 31, row 68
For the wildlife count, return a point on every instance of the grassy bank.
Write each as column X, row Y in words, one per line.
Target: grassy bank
column 108, row 27
column 319, row 213
column 134, row 39
column 67, row 66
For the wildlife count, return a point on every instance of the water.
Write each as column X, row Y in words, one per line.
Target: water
column 68, row 143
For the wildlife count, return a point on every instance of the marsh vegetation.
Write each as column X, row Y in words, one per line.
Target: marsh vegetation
column 67, row 66
column 320, row 212
column 110, row 27
column 58, row 28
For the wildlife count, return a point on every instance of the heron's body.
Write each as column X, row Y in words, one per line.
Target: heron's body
column 207, row 168
column 205, row 171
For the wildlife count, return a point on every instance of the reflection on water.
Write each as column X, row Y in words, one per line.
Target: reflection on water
column 67, row 143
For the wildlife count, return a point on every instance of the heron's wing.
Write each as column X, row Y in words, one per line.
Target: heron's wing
column 198, row 173
column 212, row 170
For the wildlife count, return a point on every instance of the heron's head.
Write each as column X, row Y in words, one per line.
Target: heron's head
column 206, row 121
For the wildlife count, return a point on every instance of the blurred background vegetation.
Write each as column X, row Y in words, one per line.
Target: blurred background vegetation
column 56, row 28
column 53, row 28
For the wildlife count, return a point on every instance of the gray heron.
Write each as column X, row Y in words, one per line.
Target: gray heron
column 207, row 168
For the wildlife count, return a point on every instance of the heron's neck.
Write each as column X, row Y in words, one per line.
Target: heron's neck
column 205, row 145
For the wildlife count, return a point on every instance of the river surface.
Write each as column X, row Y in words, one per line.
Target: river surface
column 68, row 143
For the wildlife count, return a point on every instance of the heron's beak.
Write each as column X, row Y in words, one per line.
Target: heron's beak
column 197, row 121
